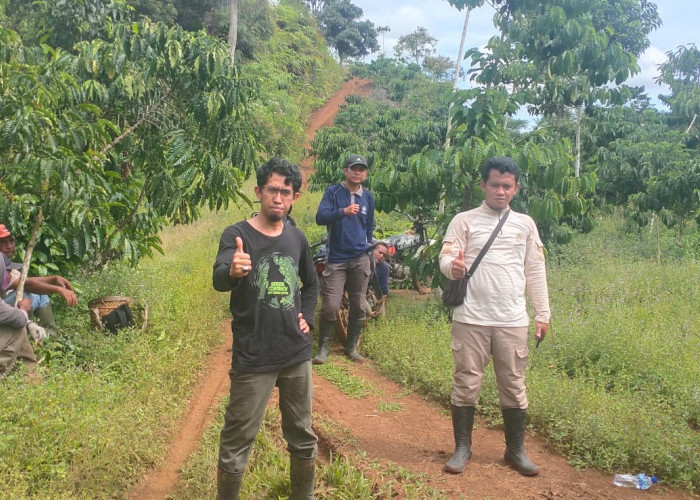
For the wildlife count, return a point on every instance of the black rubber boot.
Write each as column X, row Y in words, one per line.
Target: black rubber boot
column 462, row 425
column 514, row 420
column 354, row 330
column 228, row 485
column 325, row 330
column 301, row 472
column 45, row 318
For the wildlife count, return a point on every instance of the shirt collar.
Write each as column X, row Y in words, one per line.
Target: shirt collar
column 488, row 209
column 357, row 192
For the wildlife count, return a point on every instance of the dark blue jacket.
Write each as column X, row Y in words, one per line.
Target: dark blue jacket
column 382, row 271
column 348, row 237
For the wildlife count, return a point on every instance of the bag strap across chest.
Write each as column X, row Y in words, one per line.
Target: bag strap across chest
column 483, row 251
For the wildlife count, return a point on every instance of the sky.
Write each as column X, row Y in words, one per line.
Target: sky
column 680, row 26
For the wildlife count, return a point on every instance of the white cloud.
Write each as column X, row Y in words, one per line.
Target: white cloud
column 649, row 63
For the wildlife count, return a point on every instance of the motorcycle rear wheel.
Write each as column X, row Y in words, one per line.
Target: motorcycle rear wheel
column 341, row 321
column 374, row 308
column 419, row 286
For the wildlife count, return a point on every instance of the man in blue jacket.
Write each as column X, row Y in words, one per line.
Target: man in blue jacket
column 347, row 210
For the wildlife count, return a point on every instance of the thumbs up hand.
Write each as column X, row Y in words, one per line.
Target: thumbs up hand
column 459, row 268
column 241, row 263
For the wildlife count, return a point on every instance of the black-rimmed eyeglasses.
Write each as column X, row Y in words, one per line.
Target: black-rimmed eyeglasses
column 273, row 191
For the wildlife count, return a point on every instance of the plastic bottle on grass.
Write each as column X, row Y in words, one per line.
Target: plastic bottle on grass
column 639, row 481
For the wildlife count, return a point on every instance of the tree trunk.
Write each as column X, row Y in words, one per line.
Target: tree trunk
column 232, row 29
column 28, row 255
column 577, row 164
column 458, row 66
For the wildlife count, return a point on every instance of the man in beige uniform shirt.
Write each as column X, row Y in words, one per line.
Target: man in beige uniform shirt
column 493, row 321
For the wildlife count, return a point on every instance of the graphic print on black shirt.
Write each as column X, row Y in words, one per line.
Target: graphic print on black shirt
column 276, row 282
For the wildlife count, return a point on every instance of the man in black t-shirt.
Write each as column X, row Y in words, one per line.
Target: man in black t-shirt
column 266, row 264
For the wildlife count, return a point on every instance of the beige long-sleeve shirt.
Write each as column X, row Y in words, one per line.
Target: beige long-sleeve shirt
column 513, row 267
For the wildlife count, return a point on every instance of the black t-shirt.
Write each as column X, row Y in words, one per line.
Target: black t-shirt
column 266, row 303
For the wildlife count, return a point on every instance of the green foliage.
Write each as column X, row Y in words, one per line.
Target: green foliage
column 194, row 15
column 440, row 68
column 468, row 4
column 564, row 53
column 647, row 166
column 146, row 124
column 681, row 72
column 60, row 23
column 141, row 127
column 294, row 73
column 350, row 37
column 418, row 45
column 158, row 11
column 256, row 25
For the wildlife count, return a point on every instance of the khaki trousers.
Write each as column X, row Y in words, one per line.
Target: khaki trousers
column 14, row 345
column 472, row 348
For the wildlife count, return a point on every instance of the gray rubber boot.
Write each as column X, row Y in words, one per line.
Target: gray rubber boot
column 301, row 473
column 45, row 318
column 515, row 421
column 325, row 330
column 462, row 425
column 354, row 330
column 228, row 485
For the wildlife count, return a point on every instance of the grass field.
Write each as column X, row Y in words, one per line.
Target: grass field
column 615, row 387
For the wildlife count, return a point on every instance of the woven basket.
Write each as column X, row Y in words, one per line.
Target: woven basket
column 102, row 306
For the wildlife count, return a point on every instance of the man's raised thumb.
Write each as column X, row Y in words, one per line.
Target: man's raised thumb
column 239, row 244
column 461, row 255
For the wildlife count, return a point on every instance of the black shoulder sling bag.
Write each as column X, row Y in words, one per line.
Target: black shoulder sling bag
column 456, row 290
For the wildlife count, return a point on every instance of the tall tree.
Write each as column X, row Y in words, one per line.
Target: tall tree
column 439, row 67
column 418, row 45
column 232, row 28
column 383, row 30
column 344, row 32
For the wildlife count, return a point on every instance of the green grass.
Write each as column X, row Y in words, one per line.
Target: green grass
column 336, row 372
column 615, row 387
column 389, row 407
column 110, row 404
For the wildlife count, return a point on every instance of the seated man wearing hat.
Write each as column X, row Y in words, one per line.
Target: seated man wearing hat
column 14, row 326
column 37, row 289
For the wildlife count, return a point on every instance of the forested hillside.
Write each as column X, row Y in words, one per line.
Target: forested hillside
column 167, row 106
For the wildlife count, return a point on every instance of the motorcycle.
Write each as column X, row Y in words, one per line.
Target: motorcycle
column 405, row 245
column 374, row 301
